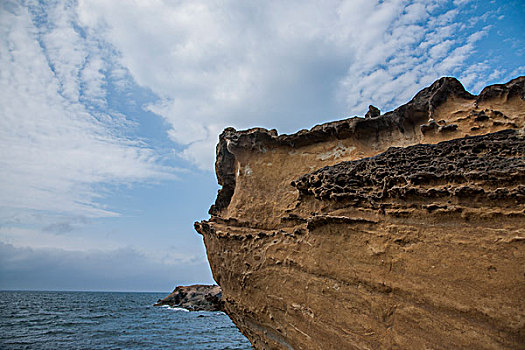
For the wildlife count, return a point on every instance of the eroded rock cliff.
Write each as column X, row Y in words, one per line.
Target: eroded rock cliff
column 404, row 230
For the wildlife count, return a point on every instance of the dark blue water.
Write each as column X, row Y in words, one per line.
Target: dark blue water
column 100, row 320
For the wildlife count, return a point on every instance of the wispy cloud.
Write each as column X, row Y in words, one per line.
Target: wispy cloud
column 55, row 146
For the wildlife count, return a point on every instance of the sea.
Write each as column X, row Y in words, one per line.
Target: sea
column 109, row 320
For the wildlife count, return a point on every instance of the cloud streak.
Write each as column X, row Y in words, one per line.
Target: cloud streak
column 55, row 146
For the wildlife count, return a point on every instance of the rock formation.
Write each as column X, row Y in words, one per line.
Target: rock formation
column 404, row 230
column 197, row 297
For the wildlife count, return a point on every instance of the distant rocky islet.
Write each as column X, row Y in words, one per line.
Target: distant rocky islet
column 197, row 297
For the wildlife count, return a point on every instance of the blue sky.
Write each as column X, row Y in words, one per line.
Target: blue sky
column 110, row 112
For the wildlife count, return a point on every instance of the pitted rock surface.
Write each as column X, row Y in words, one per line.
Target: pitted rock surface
column 485, row 162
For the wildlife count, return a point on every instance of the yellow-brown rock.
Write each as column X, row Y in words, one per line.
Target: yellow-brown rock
column 399, row 231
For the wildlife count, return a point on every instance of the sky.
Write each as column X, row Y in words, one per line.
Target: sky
column 110, row 112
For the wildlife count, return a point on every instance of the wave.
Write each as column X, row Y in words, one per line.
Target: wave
column 175, row 308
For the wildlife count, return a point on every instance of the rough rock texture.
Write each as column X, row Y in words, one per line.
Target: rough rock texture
column 489, row 167
column 372, row 112
column 197, row 297
column 404, row 230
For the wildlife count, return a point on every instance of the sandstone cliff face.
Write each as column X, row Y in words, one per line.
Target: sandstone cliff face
column 404, row 230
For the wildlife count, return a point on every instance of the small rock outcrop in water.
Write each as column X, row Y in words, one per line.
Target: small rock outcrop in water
column 197, row 297
column 397, row 231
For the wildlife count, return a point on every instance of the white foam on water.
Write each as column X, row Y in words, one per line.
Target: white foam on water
column 175, row 308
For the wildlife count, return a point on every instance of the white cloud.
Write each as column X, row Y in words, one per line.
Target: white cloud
column 461, row 2
column 54, row 148
column 217, row 64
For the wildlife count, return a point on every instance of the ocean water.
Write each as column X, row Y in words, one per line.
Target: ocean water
column 109, row 320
